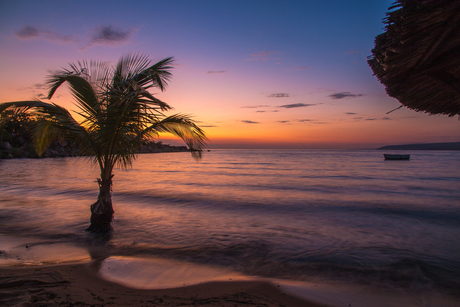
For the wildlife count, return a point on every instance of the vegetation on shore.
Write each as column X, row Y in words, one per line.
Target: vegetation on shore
column 16, row 140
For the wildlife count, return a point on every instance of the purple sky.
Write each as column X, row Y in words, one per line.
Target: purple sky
column 258, row 74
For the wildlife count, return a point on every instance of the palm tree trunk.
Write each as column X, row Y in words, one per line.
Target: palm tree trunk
column 102, row 210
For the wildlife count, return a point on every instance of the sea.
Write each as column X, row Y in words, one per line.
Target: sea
column 300, row 215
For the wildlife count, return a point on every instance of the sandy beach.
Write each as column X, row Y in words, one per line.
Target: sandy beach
column 80, row 285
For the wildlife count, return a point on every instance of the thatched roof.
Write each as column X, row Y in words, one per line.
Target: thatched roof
column 418, row 57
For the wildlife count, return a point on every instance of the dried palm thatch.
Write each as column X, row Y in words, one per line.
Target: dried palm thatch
column 418, row 57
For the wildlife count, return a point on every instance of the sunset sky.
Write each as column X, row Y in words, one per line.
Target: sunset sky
column 255, row 74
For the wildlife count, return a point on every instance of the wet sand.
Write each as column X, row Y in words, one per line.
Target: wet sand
column 42, row 273
column 81, row 285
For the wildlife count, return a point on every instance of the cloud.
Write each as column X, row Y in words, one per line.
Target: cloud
column 351, row 113
column 249, row 122
column 279, row 95
column 216, row 72
column 343, row 95
column 255, row 107
column 109, row 35
column 262, row 56
column 311, row 121
column 296, row 105
column 36, row 89
column 370, row 119
column 386, row 118
column 299, row 68
column 30, row 32
column 261, row 111
column 39, row 86
column 283, row 121
column 208, row 126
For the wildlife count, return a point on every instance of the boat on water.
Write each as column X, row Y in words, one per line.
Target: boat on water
column 396, row 157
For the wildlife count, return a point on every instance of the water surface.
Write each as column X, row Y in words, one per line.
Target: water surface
column 305, row 215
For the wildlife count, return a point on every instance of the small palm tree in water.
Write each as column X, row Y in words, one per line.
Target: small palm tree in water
column 117, row 113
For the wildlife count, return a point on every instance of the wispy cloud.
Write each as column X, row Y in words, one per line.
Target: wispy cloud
column 262, row 56
column 30, row 32
column 311, row 121
column 35, row 89
column 208, row 126
column 255, row 107
column 343, row 95
column 261, row 111
column 249, row 122
column 216, row 72
column 296, row 105
column 299, row 68
column 109, row 35
column 283, row 121
column 361, row 118
column 39, row 86
column 279, row 95
column 351, row 113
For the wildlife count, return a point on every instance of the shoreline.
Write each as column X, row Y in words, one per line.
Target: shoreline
column 80, row 284
column 34, row 273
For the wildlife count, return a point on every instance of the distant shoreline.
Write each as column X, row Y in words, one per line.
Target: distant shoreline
column 63, row 149
column 425, row 146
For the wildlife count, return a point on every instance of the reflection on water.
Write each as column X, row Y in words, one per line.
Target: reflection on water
column 157, row 273
column 303, row 215
column 26, row 251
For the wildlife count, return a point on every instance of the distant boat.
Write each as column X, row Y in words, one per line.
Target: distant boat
column 396, row 157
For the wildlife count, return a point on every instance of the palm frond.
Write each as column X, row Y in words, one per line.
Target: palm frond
column 153, row 102
column 158, row 74
column 184, row 127
column 80, row 87
column 55, row 121
column 25, row 105
column 58, row 122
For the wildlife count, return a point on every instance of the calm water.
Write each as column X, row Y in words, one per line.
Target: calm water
column 294, row 214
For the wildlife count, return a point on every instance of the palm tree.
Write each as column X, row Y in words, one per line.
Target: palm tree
column 116, row 114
